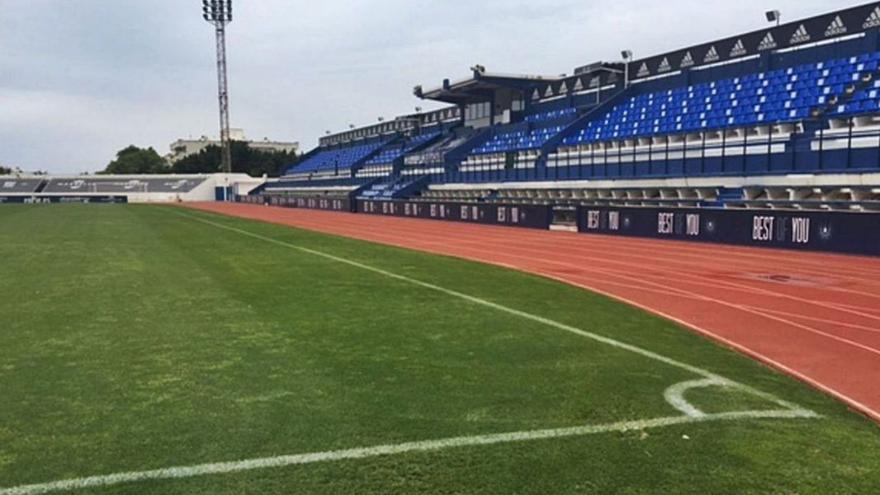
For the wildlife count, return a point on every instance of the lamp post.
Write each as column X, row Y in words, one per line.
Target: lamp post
column 627, row 58
column 219, row 14
column 774, row 16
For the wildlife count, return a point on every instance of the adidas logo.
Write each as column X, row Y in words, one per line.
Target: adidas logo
column 800, row 36
column 768, row 43
column 536, row 95
column 579, row 85
column 738, row 49
column 644, row 71
column 873, row 20
column 664, row 65
column 594, row 82
column 563, row 89
column 836, row 27
column 712, row 56
column 549, row 92
column 687, row 60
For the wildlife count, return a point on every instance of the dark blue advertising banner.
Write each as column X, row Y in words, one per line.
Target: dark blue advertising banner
column 253, row 200
column 329, row 204
column 38, row 199
column 529, row 216
column 853, row 233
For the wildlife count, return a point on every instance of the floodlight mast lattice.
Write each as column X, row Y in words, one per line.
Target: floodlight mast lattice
column 219, row 14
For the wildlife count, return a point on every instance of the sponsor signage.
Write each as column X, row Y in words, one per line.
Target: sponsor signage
column 854, row 233
column 529, row 216
column 329, row 204
column 815, row 29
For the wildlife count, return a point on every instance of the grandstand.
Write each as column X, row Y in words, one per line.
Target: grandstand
column 783, row 118
column 14, row 185
column 124, row 188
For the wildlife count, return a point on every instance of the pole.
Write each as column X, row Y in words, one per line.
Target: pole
column 223, row 97
column 219, row 13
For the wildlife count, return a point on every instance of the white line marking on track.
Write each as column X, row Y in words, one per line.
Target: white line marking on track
column 674, row 395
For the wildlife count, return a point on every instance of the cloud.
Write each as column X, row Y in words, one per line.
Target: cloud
column 81, row 79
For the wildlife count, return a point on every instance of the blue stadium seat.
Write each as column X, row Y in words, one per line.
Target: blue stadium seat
column 335, row 159
column 776, row 96
column 518, row 140
column 392, row 153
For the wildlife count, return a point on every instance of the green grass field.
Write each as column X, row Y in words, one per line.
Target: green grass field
column 137, row 338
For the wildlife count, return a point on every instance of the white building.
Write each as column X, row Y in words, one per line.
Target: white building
column 183, row 148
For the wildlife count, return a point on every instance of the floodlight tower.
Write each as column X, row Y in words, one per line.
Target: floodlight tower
column 219, row 13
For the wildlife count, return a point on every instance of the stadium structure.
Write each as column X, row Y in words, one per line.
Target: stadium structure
column 784, row 119
column 124, row 188
column 240, row 340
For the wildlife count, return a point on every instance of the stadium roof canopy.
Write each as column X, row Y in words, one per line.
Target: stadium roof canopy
column 482, row 85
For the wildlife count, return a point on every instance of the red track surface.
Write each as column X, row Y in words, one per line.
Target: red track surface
column 814, row 316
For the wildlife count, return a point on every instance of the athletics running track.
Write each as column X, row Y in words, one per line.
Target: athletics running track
column 814, row 316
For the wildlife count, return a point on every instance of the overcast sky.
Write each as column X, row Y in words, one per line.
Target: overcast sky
column 80, row 79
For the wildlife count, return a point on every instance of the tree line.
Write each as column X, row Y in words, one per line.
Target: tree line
column 133, row 160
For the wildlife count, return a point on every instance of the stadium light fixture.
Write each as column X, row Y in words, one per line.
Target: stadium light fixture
column 418, row 109
column 627, row 58
column 351, row 126
column 774, row 16
column 219, row 14
column 381, row 119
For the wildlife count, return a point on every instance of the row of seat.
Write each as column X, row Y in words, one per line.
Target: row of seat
column 518, row 141
column 392, row 153
column 338, row 159
column 19, row 185
column 866, row 100
column 767, row 97
column 549, row 116
column 122, row 186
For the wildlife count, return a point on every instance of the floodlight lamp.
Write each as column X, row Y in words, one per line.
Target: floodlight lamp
column 217, row 10
column 626, row 54
column 773, row 16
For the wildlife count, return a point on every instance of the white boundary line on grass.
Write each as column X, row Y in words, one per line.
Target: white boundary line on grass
column 674, row 395
column 476, row 300
column 386, row 450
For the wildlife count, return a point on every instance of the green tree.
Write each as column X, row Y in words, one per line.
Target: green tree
column 134, row 160
column 245, row 160
column 5, row 170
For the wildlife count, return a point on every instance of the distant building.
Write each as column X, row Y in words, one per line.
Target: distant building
column 183, row 148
